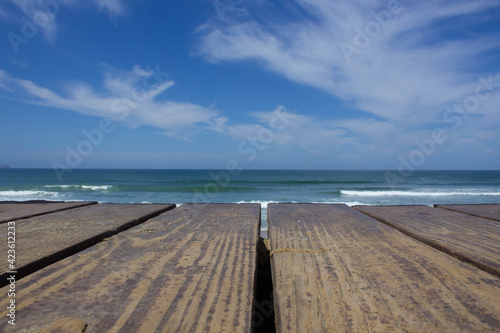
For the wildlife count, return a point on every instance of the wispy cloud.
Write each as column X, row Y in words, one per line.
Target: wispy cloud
column 114, row 7
column 138, row 98
column 42, row 14
column 307, row 133
column 135, row 97
column 414, row 67
column 37, row 14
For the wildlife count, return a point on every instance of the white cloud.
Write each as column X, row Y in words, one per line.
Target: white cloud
column 136, row 98
column 282, row 128
column 114, row 7
column 42, row 14
column 406, row 74
column 132, row 97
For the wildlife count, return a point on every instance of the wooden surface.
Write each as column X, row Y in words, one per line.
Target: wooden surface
column 190, row 269
column 338, row 270
column 491, row 212
column 44, row 239
column 469, row 238
column 11, row 211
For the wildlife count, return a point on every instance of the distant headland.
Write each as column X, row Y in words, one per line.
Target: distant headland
column 4, row 166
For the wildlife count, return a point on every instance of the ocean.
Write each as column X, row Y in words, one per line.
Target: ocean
column 253, row 186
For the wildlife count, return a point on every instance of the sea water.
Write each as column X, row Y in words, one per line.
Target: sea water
column 253, row 186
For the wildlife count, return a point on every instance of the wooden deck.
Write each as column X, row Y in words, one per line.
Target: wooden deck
column 491, row 212
column 12, row 211
column 87, row 267
column 469, row 238
column 48, row 238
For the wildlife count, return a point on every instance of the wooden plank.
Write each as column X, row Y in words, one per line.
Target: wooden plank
column 191, row 269
column 16, row 210
column 44, row 239
column 491, row 211
column 338, row 270
column 468, row 238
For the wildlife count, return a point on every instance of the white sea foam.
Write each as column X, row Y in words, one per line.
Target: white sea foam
column 62, row 186
column 263, row 204
column 83, row 187
column 96, row 187
column 414, row 193
column 348, row 203
column 27, row 195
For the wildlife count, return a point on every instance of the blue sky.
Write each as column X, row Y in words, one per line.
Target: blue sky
column 303, row 84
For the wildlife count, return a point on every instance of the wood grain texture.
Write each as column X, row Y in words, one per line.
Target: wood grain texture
column 11, row 211
column 44, row 239
column 491, row 212
column 191, row 269
column 346, row 272
column 66, row 325
column 468, row 238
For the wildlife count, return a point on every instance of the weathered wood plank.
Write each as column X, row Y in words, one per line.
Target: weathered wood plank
column 44, row 239
column 11, row 211
column 189, row 269
column 338, row 270
column 471, row 239
column 491, row 212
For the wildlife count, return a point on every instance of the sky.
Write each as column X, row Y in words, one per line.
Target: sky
column 284, row 84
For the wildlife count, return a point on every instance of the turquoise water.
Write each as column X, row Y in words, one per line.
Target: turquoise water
column 256, row 186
